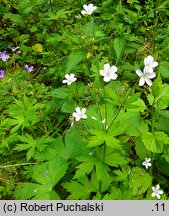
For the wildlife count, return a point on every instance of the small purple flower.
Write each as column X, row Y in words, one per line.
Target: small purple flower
column 4, row 56
column 29, row 69
column 17, row 49
column 2, row 73
column 14, row 48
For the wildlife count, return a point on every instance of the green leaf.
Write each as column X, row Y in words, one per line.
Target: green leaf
column 164, row 69
column 15, row 18
column 86, row 167
column 89, row 29
column 74, row 59
column 115, row 194
column 140, row 181
column 60, row 93
column 163, row 166
column 30, row 190
column 154, row 142
column 57, row 169
column 68, row 106
column 118, row 47
column 164, row 113
column 121, row 175
column 141, row 150
column 38, row 47
column 74, row 143
column 79, row 189
column 100, row 136
column 51, row 172
column 56, row 148
column 32, row 144
column 61, row 14
column 114, row 159
column 103, row 174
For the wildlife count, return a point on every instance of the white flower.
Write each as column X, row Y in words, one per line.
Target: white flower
column 88, row 9
column 156, row 191
column 69, row 79
column 109, row 73
column 145, row 76
column 150, row 64
column 79, row 114
column 147, row 163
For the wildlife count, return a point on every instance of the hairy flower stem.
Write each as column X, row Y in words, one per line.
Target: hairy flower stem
column 153, row 115
column 104, row 151
column 120, row 107
column 74, row 92
column 105, row 107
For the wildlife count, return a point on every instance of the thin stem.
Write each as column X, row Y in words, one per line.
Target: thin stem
column 105, row 107
column 104, row 151
column 120, row 107
column 153, row 114
column 14, row 165
column 114, row 117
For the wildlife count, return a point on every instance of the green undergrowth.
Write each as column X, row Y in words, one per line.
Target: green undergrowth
column 45, row 152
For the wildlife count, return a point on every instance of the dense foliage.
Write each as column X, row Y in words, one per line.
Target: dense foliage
column 88, row 135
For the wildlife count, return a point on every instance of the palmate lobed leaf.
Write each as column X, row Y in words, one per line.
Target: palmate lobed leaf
column 27, row 191
column 140, row 181
column 84, row 168
column 115, row 159
column 99, row 137
column 154, row 141
column 79, row 189
column 46, row 175
column 32, row 144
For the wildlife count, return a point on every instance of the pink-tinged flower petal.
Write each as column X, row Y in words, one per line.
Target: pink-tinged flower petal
column 67, row 76
column 142, row 81
column 64, row 81
column 147, row 69
column 84, row 116
column 85, row 7
column 148, row 60
column 83, row 12
column 106, row 66
column 139, row 73
column 102, row 72
column 114, row 76
column 106, row 78
column 154, row 64
column 72, row 76
column 114, row 69
column 77, row 109
column 90, row 6
column 151, row 75
column 148, row 81
column 83, row 110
